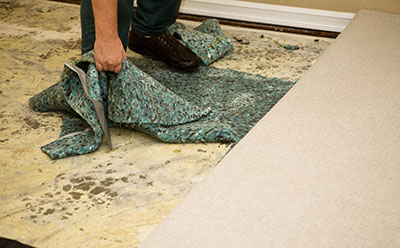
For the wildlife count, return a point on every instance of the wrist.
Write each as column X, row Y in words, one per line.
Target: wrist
column 105, row 19
column 108, row 38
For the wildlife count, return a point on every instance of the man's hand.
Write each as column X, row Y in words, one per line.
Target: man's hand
column 108, row 54
column 108, row 49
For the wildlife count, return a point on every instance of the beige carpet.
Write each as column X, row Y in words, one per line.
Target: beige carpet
column 321, row 169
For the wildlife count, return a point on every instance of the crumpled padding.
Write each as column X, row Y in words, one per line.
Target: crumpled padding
column 210, row 105
column 131, row 98
column 207, row 40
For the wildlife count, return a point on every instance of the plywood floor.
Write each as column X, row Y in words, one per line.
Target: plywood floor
column 107, row 198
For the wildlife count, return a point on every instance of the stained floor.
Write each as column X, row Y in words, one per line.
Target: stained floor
column 107, row 198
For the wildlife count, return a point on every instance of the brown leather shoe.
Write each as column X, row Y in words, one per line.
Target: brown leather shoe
column 166, row 48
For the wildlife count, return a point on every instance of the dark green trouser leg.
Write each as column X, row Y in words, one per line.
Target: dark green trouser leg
column 87, row 23
column 154, row 16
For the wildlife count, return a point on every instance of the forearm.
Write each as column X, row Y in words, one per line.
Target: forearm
column 108, row 49
column 105, row 18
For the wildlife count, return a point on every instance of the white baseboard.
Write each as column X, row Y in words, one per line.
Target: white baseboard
column 269, row 14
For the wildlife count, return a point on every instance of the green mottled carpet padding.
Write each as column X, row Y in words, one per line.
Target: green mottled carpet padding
column 210, row 105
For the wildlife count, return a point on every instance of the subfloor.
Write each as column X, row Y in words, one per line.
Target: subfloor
column 107, row 198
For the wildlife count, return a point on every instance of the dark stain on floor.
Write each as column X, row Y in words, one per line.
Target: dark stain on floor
column 49, row 211
column 72, row 193
column 31, row 122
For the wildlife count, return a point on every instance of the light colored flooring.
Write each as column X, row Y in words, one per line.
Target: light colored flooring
column 107, row 198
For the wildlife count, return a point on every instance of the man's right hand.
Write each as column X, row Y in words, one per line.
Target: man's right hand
column 108, row 49
column 108, row 54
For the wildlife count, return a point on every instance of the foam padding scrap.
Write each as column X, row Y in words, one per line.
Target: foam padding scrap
column 207, row 40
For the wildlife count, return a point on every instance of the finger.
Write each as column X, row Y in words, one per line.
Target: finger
column 99, row 67
column 110, row 68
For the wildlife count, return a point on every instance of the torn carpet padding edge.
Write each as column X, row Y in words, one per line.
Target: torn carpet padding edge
column 207, row 40
column 321, row 169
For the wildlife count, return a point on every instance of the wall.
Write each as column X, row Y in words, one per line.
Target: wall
column 353, row 6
